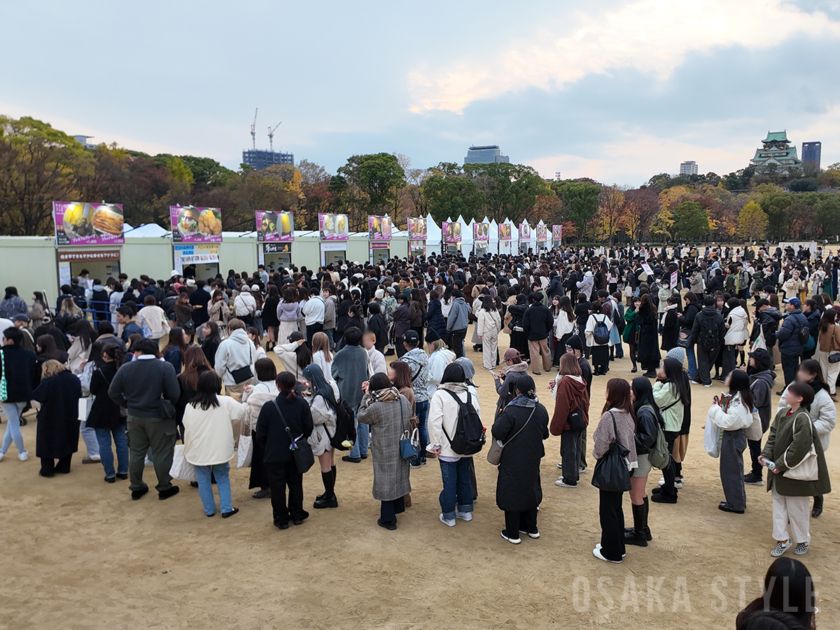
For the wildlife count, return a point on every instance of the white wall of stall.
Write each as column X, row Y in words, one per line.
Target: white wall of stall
column 29, row 263
column 149, row 256
column 238, row 251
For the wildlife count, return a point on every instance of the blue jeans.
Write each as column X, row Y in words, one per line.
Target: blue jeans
column 692, row 362
column 12, row 413
column 329, row 333
column 205, row 489
column 103, row 436
column 91, row 440
column 456, row 486
column 422, row 411
column 362, row 438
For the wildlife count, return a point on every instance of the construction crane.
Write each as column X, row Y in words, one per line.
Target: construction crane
column 254, row 129
column 271, row 135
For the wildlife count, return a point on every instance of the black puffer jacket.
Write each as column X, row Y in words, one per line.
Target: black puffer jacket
column 538, row 322
column 646, row 429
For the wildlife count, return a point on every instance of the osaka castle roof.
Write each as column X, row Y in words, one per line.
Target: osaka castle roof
column 776, row 136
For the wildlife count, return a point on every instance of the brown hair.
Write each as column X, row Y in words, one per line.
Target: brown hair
column 320, row 341
column 569, row 365
column 618, row 396
column 235, row 324
column 403, row 374
column 194, row 358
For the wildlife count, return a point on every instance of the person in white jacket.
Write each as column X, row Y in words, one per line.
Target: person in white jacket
column 600, row 352
column 488, row 327
column 154, row 319
column 245, row 305
column 323, row 398
column 439, row 357
column 822, row 410
column 208, row 441
column 377, row 359
column 235, row 352
column 737, row 333
column 733, row 417
column 456, row 499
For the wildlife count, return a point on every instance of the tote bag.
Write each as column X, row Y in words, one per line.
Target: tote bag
column 611, row 473
column 494, row 455
column 245, row 452
column 808, row 469
column 181, row 468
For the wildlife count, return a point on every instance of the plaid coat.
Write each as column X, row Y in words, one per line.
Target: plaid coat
column 388, row 421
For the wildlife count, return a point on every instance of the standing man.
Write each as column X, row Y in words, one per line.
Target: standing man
column 149, row 389
column 537, row 324
column 707, row 334
column 418, row 364
column 313, row 311
column 350, row 368
column 788, row 336
column 457, row 322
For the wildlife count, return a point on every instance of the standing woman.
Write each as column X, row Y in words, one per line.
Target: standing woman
column 648, row 423
column 733, row 421
column 418, row 312
column 294, row 356
column 208, row 441
column 183, row 312
column 270, row 321
column 792, row 436
column 57, row 437
column 564, row 327
column 600, row 351
column 521, row 427
column 671, row 393
column 488, row 327
column 829, row 344
column 323, row 400
column 210, row 342
column 19, row 371
column 39, row 312
column 288, row 314
column 387, row 413
column 254, row 397
column 736, row 333
column 79, row 352
column 174, row 351
column 321, row 355
column 648, row 344
column 571, row 417
column 195, row 363
column 287, row 410
column 218, row 310
column 106, row 417
column 617, row 424
column 631, row 330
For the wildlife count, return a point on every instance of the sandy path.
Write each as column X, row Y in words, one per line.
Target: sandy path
column 78, row 553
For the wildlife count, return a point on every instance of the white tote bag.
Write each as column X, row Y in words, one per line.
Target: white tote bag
column 808, row 469
column 245, row 452
column 85, row 405
column 181, row 468
column 712, row 437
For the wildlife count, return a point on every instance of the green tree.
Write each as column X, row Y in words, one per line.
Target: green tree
column 775, row 205
column 378, row 175
column 752, row 222
column 453, row 196
column 511, row 190
column 580, row 201
column 828, row 215
column 662, row 225
column 691, row 222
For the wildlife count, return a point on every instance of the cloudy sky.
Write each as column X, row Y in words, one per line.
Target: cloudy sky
column 616, row 90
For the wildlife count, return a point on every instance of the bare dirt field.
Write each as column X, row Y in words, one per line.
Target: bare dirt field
column 78, row 553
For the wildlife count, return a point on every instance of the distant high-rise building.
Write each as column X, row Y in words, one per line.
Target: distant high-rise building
column 83, row 140
column 776, row 153
column 557, row 177
column 258, row 159
column 688, row 168
column 490, row 154
column 811, row 154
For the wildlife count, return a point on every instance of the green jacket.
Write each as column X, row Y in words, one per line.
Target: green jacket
column 670, row 406
column 629, row 334
column 781, row 437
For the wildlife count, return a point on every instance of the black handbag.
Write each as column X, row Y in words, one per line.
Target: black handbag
column 574, row 421
column 685, row 339
column 834, row 357
column 611, row 473
column 301, row 450
column 240, row 375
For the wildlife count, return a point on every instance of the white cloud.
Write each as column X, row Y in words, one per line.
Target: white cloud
column 652, row 36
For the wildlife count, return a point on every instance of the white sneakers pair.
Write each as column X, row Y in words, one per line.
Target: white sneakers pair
column 21, row 456
column 450, row 522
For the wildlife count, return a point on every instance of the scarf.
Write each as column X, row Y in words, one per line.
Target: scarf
column 385, row 395
column 817, row 385
column 516, row 367
column 523, row 401
column 455, row 388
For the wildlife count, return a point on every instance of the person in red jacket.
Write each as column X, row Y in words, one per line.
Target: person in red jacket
column 571, row 417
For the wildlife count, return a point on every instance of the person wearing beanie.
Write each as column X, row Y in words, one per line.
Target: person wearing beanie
column 677, row 353
column 762, row 381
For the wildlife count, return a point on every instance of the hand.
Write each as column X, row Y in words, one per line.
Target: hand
column 762, row 460
column 436, row 450
column 776, row 470
column 551, row 384
column 365, row 386
column 301, row 342
column 248, row 388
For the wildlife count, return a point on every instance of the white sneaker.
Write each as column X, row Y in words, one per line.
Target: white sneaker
column 695, row 382
column 2, row 456
column 598, row 547
column 597, row 553
column 560, row 465
column 23, row 456
column 801, row 549
column 581, row 470
column 533, row 535
column 513, row 541
column 464, row 516
column 662, row 481
column 781, row 548
column 562, row 483
column 709, row 385
column 446, row 521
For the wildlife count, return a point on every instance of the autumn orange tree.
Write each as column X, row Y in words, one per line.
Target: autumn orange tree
column 609, row 214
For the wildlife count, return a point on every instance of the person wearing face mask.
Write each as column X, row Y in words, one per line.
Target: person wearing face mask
column 762, row 380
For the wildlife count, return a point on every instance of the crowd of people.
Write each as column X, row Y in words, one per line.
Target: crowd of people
column 135, row 366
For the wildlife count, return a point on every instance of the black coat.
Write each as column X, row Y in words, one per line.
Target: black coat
column 537, row 322
column 648, row 349
column 20, row 373
column 271, row 433
column 647, row 430
column 671, row 330
column 377, row 326
column 105, row 413
column 200, row 297
column 269, row 311
column 99, row 345
column 58, row 419
column 518, row 488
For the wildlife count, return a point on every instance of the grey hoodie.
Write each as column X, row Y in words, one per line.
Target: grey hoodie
column 234, row 352
column 761, row 385
column 458, row 315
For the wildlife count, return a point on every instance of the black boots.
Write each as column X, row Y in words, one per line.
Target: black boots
column 639, row 534
column 818, row 506
column 327, row 500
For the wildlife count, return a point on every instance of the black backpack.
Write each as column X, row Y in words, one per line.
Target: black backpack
column 804, row 335
column 601, row 334
column 709, row 334
column 345, row 427
column 469, row 435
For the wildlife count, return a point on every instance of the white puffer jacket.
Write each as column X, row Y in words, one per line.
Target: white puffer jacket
column 737, row 333
column 443, row 414
column 737, row 417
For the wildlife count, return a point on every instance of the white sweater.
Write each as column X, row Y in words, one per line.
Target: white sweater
column 437, row 364
column 489, row 323
column 738, row 416
column 208, row 435
column 443, row 413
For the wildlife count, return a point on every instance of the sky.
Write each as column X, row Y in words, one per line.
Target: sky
column 615, row 90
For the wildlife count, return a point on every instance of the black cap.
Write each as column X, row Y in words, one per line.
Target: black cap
column 431, row 335
column 411, row 338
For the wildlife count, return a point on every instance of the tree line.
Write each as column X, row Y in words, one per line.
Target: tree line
column 40, row 164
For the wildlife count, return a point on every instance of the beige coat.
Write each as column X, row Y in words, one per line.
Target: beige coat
column 443, row 416
column 208, row 435
column 156, row 320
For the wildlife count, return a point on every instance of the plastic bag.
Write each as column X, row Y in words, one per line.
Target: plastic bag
column 712, row 438
column 181, row 468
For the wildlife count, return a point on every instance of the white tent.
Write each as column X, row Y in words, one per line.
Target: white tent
column 433, row 236
column 467, row 236
column 493, row 245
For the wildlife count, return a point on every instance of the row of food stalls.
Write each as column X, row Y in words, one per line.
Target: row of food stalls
column 93, row 237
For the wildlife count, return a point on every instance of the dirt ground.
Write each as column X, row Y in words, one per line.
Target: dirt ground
column 78, row 553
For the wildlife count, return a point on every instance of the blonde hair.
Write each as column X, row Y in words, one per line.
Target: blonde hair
column 437, row 344
column 69, row 307
column 51, row 368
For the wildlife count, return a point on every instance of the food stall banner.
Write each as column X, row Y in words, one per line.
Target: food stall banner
column 201, row 253
column 556, row 234
column 379, row 228
column 505, row 232
column 79, row 223
column 481, row 232
column 524, row 232
column 417, row 229
column 195, row 225
column 451, row 232
column 333, row 227
column 275, row 227
column 542, row 234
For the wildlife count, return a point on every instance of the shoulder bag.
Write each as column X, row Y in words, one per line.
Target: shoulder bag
column 410, row 441
column 4, row 385
column 808, row 468
column 494, row 455
column 240, row 375
column 301, row 451
column 611, row 473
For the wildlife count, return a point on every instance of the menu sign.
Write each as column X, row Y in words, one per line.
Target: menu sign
column 451, row 232
column 505, row 232
column 481, row 232
column 333, row 227
column 417, row 229
column 195, row 225
column 542, row 234
column 78, row 223
column 275, row 227
column 379, row 228
column 557, row 234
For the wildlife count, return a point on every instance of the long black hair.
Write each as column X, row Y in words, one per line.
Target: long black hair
column 675, row 376
column 739, row 383
column 207, row 390
column 643, row 391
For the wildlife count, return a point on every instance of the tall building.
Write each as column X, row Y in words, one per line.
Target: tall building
column 490, row 154
column 688, row 168
column 811, row 154
column 776, row 151
column 258, row 159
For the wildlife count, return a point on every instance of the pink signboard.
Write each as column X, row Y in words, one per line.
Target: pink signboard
column 524, row 232
column 275, row 227
column 451, row 232
column 542, row 234
column 417, row 229
column 78, row 223
column 505, row 232
column 557, row 233
column 195, row 225
column 481, row 232
column 333, row 227
column 379, row 228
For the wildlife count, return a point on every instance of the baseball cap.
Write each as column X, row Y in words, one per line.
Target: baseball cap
column 255, row 287
column 411, row 337
column 794, row 301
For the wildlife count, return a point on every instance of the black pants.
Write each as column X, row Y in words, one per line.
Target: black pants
column 311, row 329
column 755, row 451
column 279, row 476
column 570, row 455
column 400, row 346
column 705, row 360
column 789, row 364
column 670, row 473
column 457, row 345
column 600, row 358
column 729, row 360
column 516, row 522
column 258, row 477
column 389, row 510
column 49, row 467
column 612, row 524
